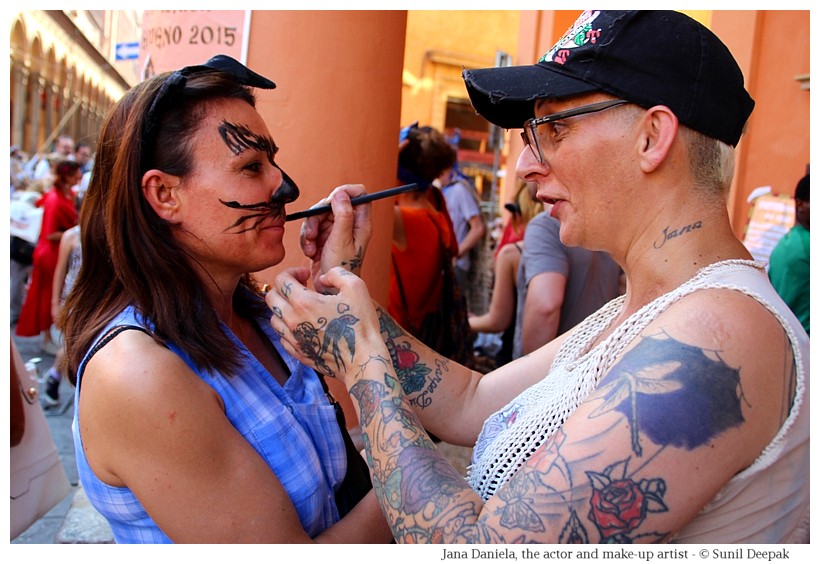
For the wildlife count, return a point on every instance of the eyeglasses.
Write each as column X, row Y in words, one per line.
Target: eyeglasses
column 535, row 140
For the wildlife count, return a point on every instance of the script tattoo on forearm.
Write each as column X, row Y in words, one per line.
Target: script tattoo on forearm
column 418, row 380
column 424, row 398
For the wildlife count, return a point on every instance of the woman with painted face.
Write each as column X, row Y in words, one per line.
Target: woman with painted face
column 192, row 424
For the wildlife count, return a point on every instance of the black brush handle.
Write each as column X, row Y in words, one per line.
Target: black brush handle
column 363, row 199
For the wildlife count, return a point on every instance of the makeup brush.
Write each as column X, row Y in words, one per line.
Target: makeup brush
column 363, row 199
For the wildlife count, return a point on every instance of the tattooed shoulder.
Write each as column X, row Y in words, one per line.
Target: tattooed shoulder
column 672, row 394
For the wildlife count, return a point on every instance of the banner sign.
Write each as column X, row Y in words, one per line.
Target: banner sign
column 176, row 38
column 770, row 218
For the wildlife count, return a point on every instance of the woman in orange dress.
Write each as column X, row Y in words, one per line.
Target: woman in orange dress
column 421, row 230
column 59, row 215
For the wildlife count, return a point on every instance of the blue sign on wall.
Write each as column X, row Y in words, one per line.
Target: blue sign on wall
column 127, row 51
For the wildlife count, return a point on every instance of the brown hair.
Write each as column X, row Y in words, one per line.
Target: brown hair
column 63, row 170
column 427, row 153
column 129, row 255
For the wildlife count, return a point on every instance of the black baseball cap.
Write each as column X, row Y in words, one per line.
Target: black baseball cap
column 647, row 57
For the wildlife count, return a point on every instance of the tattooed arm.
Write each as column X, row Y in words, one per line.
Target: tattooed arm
column 680, row 413
column 671, row 421
column 452, row 400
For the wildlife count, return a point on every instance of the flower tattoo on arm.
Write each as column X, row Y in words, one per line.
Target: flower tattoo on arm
column 418, row 380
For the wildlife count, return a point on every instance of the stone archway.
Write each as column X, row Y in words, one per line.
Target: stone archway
column 18, row 83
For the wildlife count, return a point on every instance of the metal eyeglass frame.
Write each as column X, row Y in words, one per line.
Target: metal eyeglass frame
column 531, row 125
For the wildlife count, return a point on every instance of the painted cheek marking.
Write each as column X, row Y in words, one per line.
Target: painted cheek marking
column 238, row 139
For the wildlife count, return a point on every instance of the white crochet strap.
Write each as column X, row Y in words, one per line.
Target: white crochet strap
column 511, row 435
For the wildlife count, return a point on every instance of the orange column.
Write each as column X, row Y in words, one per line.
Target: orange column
column 772, row 48
column 335, row 113
column 737, row 29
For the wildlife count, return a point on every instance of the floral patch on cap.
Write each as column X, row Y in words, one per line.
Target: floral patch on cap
column 581, row 33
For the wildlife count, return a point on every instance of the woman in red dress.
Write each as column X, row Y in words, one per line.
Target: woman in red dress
column 59, row 215
column 422, row 232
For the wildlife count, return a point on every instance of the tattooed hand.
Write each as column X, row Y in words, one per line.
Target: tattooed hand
column 339, row 238
column 325, row 330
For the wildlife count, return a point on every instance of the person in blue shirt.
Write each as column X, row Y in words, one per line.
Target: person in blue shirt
column 192, row 424
column 789, row 265
column 468, row 222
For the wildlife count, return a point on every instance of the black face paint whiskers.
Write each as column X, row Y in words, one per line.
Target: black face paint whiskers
column 272, row 209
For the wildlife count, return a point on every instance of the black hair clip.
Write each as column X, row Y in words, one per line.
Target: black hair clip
column 232, row 67
column 176, row 81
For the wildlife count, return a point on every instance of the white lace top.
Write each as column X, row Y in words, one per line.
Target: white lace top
column 513, row 433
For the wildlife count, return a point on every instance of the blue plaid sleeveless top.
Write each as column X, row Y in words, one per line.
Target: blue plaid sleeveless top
column 292, row 427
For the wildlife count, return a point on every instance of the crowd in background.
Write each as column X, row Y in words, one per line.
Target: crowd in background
column 570, row 285
column 46, row 193
column 541, row 288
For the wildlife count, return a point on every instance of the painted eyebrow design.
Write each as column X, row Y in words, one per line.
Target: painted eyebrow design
column 239, row 138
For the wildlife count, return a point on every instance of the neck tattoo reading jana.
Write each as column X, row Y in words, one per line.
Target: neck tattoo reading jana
column 667, row 234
